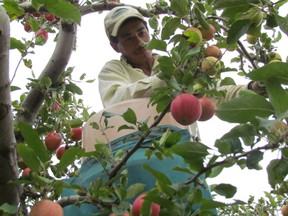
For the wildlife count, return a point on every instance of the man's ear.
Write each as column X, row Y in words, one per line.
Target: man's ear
column 114, row 46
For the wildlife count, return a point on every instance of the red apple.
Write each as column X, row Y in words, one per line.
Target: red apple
column 27, row 27
column 46, row 208
column 76, row 134
column 284, row 210
column 53, row 140
column 124, row 214
column 26, row 171
column 36, row 14
column 214, row 51
column 49, row 17
column 41, row 36
column 60, row 151
column 137, row 204
column 56, row 106
column 208, row 34
column 186, row 109
column 208, row 108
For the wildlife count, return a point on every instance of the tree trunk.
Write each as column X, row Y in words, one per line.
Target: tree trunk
column 9, row 193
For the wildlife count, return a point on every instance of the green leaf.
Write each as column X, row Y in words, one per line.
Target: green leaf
column 192, row 152
column 14, row 88
column 45, row 82
column 166, row 203
column 30, row 158
column 245, row 108
column 134, row 189
column 245, row 131
column 36, row 4
column 278, row 70
column 9, row 209
column 220, row 4
column 166, row 65
column 283, row 23
column 153, row 22
column 162, row 180
column 13, row 9
column 130, row 116
column 33, row 140
column 157, row 45
column 226, row 190
column 253, row 160
column 69, row 157
column 229, row 145
column 237, row 30
column 227, row 81
column 170, row 27
column 200, row 16
column 277, row 171
column 63, row 9
column 277, row 96
column 74, row 88
column 75, row 123
column 180, row 7
column 17, row 44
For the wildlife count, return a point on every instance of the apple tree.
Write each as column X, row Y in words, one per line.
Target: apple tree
column 199, row 42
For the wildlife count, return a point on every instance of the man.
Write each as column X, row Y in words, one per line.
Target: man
column 128, row 83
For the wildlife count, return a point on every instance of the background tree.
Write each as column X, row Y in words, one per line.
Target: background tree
column 184, row 68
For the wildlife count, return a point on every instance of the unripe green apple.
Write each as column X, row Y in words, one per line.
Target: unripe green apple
column 137, row 204
column 251, row 39
column 257, row 18
column 208, row 109
column 193, row 35
column 186, row 109
column 274, row 56
column 210, row 65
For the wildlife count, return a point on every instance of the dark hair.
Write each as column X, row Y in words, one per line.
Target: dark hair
column 115, row 39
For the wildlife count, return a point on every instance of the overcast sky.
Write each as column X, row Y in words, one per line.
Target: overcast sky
column 93, row 50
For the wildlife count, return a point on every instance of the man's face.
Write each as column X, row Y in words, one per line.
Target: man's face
column 131, row 36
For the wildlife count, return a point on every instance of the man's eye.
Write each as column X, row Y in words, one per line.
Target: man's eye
column 127, row 38
column 142, row 33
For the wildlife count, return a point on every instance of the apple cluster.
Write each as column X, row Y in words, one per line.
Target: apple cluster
column 210, row 64
column 38, row 23
column 187, row 108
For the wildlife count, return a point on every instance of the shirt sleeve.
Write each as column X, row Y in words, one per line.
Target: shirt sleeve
column 118, row 82
column 231, row 92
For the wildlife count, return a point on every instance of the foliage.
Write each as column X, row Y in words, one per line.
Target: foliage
column 180, row 66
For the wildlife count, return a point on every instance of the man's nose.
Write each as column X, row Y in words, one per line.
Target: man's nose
column 140, row 40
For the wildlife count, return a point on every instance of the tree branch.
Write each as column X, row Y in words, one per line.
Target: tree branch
column 118, row 166
column 54, row 68
column 228, row 160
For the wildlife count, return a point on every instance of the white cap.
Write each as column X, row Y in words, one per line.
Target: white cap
column 115, row 18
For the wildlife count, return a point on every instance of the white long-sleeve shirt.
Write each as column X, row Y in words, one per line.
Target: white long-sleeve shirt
column 119, row 81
